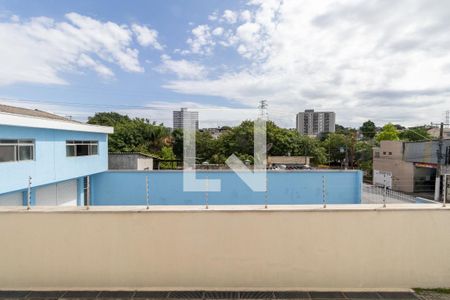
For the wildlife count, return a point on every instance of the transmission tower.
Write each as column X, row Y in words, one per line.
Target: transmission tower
column 263, row 111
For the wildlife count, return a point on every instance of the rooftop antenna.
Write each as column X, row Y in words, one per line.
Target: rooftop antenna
column 263, row 111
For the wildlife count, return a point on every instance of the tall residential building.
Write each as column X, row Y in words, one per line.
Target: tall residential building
column 183, row 115
column 314, row 123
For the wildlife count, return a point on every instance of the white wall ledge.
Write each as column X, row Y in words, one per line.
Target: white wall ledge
column 226, row 208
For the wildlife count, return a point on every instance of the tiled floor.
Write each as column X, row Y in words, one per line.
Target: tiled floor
column 54, row 295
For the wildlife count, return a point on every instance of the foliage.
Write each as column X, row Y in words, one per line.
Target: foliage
column 166, row 153
column 415, row 134
column 139, row 135
column 388, row 133
column 344, row 130
column 108, row 119
column 363, row 156
column 177, row 143
column 205, row 146
column 336, row 145
column 281, row 141
column 368, row 130
column 132, row 135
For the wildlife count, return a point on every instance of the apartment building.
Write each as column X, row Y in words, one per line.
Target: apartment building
column 314, row 123
column 183, row 116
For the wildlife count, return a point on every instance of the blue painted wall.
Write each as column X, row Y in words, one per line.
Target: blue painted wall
column 51, row 163
column 166, row 188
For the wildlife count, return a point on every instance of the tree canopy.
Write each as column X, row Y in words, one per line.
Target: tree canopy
column 368, row 130
column 415, row 134
column 388, row 133
column 141, row 135
column 133, row 135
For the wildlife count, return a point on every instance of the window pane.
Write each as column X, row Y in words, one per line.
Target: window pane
column 82, row 150
column 94, row 149
column 25, row 153
column 26, row 141
column 8, row 141
column 7, row 153
column 70, row 150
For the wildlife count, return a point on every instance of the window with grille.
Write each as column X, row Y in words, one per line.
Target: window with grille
column 81, row 148
column 16, row 150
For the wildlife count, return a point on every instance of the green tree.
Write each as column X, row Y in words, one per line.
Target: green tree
column 205, row 146
column 108, row 119
column 132, row 135
column 388, row 133
column 166, row 153
column 415, row 134
column 337, row 145
column 281, row 141
column 177, row 142
column 363, row 157
column 368, row 130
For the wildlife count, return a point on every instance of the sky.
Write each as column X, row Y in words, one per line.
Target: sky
column 383, row 60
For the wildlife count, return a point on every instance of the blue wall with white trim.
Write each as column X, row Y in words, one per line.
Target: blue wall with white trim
column 166, row 188
column 50, row 164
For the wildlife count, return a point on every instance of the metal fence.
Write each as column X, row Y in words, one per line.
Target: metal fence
column 377, row 195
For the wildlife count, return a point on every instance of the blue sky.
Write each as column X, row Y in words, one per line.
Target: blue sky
column 221, row 57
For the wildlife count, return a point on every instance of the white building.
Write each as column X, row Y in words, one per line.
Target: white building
column 314, row 123
column 183, row 115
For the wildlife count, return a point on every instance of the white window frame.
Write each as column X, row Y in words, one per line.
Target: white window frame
column 17, row 143
column 75, row 143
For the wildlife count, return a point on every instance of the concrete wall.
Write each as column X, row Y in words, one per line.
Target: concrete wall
column 129, row 162
column 145, row 163
column 51, row 164
column 425, row 152
column 122, row 162
column 166, row 188
column 391, row 160
column 402, row 173
column 340, row 248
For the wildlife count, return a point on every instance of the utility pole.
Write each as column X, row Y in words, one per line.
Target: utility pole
column 447, row 118
column 437, row 189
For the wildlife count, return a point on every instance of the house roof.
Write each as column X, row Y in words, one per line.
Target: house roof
column 24, row 117
column 32, row 113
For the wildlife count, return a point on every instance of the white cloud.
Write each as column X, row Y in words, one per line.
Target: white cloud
column 201, row 42
column 383, row 60
column 40, row 50
column 214, row 16
column 229, row 16
column 217, row 31
column 88, row 62
column 245, row 15
column 182, row 68
column 15, row 18
column 146, row 36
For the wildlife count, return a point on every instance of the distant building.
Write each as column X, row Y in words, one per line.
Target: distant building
column 315, row 123
column 183, row 115
column 434, row 132
column 409, row 166
column 130, row 161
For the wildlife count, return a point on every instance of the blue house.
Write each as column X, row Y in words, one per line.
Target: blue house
column 55, row 154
